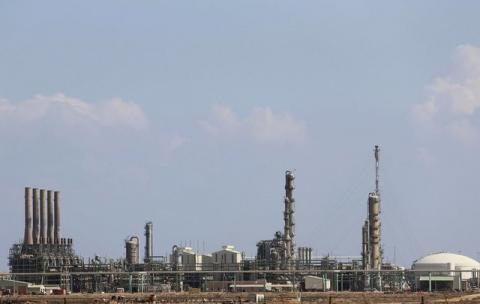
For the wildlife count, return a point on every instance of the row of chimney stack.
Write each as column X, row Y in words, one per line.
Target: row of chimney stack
column 42, row 217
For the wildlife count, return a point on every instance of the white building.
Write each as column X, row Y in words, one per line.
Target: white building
column 205, row 261
column 227, row 259
column 438, row 271
column 187, row 259
column 20, row 287
column 316, row 283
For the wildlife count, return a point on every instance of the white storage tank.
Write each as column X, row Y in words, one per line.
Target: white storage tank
column 437, row 271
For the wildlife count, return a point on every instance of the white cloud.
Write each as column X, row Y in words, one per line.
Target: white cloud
column 453, row 101
column 261, row 125
column 69, row 110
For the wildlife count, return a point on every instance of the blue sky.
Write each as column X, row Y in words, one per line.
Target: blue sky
column 187, row 113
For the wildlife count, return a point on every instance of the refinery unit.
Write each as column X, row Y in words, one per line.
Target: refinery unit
column 46, row 258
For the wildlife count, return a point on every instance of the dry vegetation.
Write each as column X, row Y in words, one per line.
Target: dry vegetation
column 280, row 298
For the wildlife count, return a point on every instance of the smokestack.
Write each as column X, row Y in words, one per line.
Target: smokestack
column 50, row 220
column 57, row 216
column 43, row 217
column 36, row 217
column 289, row 226
column 28, row 236
column 148, row 241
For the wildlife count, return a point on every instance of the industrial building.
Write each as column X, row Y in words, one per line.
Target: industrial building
column 436, row 272
column 227, row 259
column 186, row 258
column 45, row 257
column 43, row 248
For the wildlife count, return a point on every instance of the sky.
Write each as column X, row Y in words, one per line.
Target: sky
column 188, row 114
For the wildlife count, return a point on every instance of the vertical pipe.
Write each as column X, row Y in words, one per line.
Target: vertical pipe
column 28, row 236
column 365, row 255
column 43, row 217
column 50, row 220
column 36, row 217
column 56, row 200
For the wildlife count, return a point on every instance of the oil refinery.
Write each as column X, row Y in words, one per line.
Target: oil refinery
column 46, row 258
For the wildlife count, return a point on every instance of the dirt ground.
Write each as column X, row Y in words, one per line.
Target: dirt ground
column 230, row 298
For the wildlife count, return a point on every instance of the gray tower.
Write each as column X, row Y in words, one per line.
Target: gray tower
column 50, row 218
column 148, row 242
column 289, row 219
column 56, row 204
column 43, row 217
column 36, row 217
column 28, row 236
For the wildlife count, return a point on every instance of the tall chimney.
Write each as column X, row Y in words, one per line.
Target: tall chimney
column 50, row 220
column 148, row 241
column 57, row 217
column 43, row 217
column 36, row 217
column 28, row 236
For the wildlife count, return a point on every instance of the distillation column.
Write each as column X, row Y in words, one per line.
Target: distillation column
column 375, row 225
column 374, row 219
column 132, row 252
column 289, row 226
column 148, row 242
column 28, row 236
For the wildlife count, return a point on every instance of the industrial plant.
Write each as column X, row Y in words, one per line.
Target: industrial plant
column 46, row 258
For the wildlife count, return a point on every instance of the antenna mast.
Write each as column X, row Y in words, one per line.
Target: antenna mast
column 377, row 150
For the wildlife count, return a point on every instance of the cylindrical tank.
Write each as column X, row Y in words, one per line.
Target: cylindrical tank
column 43, row 217
column 132, row 252
column 50, row 218
column 148, row 241
column 374, row 221
column 28, row 235
column 56, row 201
column 36, row 217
